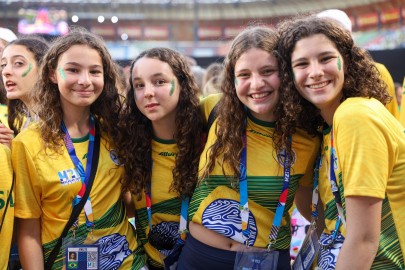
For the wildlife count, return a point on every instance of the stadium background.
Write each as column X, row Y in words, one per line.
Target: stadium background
column 202, row 28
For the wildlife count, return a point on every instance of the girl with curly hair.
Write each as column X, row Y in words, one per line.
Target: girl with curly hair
column 68, row 153
column 244, row 165
column 160, row 152
column 329, row 82
column 19, row 64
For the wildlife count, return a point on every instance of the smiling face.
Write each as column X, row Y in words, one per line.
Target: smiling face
column 257, row 83
column 19, row 71
column 319, row 72
column 80, row 77
column 156, row 90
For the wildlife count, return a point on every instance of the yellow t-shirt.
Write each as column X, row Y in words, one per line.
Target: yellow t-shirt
column 47, row 183
column 392, row 106
column 370, row 147
column 165, row 203
column 215, row 203
column 6, row 179
column 4, row 114
column 402, row 113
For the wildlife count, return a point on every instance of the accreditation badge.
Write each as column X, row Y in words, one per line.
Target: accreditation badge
column 251, row 258
column 309, row 250
column 81, row 256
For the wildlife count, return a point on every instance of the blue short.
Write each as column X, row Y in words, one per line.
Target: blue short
column 199, row 256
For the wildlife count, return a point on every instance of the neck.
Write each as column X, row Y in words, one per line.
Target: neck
column 328, row 112
column 164, row 129
column 77, row 123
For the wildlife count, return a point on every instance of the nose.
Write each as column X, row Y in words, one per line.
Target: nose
column 6, row 70
column 149, row 91
column 316, row 70
column 257, row 81
column 84, row 78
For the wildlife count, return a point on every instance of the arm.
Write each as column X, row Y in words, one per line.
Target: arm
column 29, row 244
column 362, row 233
column 129, row 204
column 303, row 200
column 6, row 135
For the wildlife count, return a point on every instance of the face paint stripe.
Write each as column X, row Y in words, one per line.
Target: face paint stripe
column 27, row 71
column 236, row 81
column 62, row 73
column 171, row 88
column 339, row 63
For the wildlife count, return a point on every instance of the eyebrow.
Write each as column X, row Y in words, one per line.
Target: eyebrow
column 321, row 54
column 15, row 56
column 79, row 65
column 153, row 75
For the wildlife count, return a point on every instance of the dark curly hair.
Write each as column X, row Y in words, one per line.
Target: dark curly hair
column 17, row 110
column 46, row 95
column 135, row 147
column 362, row 78
column 231, row 123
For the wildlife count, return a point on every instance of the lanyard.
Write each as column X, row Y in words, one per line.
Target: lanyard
column 183, row 214
column 84, row 175
column 332, row 179
column 244, row 206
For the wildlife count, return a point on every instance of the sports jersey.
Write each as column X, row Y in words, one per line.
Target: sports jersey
column 4, row 114
column 370, row 147
column 402, row 113
column 5, row 189
column 47, row 183
column 392, row 106
column 215, row 203
column 165, row 207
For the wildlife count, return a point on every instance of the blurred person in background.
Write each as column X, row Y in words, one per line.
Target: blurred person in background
column 212, row 79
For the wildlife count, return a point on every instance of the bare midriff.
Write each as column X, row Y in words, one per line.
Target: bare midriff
column 212, row 238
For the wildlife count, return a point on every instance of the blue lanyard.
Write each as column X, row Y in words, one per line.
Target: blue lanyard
column 84, row 175
column 244, row 206
column 183, row 214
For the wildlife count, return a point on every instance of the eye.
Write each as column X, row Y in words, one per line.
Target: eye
column 95, row 72
column 327, row 58
column 18, row 63
column 268, row 71
column 243, row 75
column 160, row 82
column 138, row 86
column 300, row 65
column 2, row 66
column 73, row 70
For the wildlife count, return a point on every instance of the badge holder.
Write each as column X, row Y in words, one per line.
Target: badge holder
column 80, row 256
column 252, row 258
column 309, row 250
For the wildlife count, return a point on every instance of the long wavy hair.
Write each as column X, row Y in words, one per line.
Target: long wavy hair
column 135, row 147
column 231, row 123
column 362, row 78
column 17, row 110
column 46, row 94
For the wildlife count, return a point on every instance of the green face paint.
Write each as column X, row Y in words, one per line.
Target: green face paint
column 27, row 71
column 62, row 73
column 339, row 63
column 171, row 88
column 236, row 82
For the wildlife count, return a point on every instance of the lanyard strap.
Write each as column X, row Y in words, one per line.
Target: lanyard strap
column 84, row 175
column 244, row 206
column 332, row 179
column 183, row 214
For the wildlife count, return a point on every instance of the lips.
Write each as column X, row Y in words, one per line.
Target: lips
column 151, row 105
column 318, row 85
column 259, row 95
column 9, row 85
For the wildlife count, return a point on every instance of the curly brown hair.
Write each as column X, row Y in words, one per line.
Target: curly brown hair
column 362, row 78
column 46, row 95
column 17, row 110
column 135, row 150
column 231, row 123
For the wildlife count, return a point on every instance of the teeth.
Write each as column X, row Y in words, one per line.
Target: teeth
column 314, row 86
column 260, row 95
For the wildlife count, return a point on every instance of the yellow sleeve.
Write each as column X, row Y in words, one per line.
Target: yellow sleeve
column 392, row 106
column 28, row 189
column 402, row 114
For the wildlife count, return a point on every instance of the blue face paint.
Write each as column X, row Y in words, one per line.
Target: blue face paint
column 27, row 71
